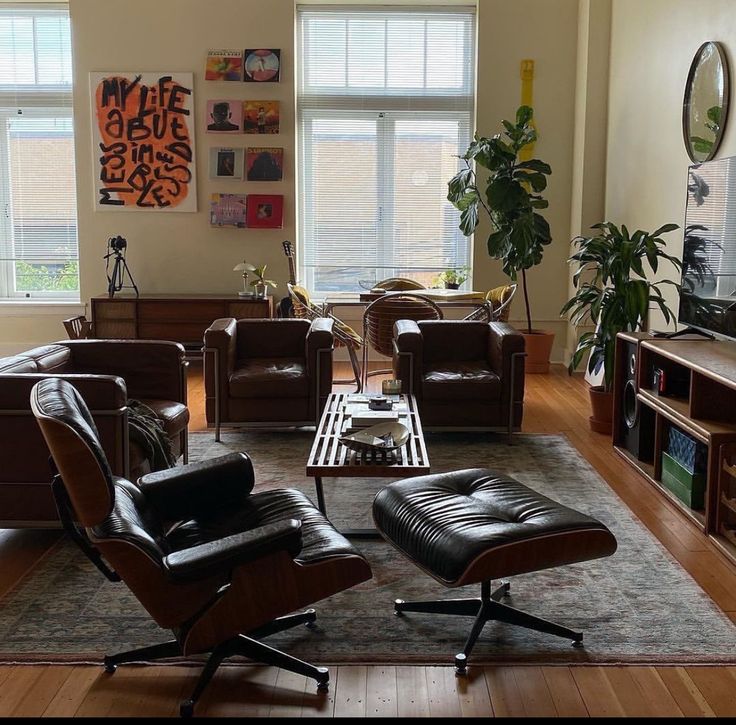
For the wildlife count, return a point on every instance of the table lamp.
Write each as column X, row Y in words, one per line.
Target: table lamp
column 244, row 267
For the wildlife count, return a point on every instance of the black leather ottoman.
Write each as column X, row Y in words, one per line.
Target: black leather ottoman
column 475, row 525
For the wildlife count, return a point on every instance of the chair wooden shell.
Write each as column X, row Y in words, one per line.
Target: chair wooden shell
column 381, row 314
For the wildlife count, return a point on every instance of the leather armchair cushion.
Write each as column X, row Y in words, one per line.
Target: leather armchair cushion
column 174, row 416
column 271, row 338
column 225, row 554
column 454, row 340
column 472, row 380
column 199, row 488
column 18, row 364
column 51, row 358
column 319, row 538
column 450, row 522
column 279, row 377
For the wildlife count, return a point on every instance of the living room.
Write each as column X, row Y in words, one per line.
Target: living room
column 622, row 591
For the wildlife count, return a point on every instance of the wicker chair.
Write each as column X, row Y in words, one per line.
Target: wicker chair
column 379, row 318
column 497, row 305
column 78, row 328
column 398, row 284
column 345, row 336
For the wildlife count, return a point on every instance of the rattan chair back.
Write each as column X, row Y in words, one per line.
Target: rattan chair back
column 379, row 317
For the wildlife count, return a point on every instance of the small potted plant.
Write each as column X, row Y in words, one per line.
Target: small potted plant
column 512, row 199
column 614, row 294
column 453, row 278
column 260, row 284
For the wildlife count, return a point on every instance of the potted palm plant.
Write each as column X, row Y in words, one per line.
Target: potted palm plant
column 512, row 199
column 614, row 294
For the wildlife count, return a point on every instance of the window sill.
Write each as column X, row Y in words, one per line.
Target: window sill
column 31, row 308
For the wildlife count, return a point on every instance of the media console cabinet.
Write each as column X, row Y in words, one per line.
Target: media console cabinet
column 179, row 318
column 702, row 405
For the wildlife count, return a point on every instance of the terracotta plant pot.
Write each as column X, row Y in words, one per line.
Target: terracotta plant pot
column 601, row 404
column 538, row 347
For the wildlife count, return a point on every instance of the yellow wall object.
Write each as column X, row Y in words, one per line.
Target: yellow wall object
column 527, row 99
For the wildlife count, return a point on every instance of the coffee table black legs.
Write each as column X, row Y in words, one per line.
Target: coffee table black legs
column 320, row 494
column 350, row 533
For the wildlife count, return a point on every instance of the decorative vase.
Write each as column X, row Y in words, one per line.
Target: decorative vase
column 452, row 285
column 601, row 404
column 260, row 291
column 538, row 346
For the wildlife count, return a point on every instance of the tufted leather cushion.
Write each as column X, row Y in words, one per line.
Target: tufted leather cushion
column 280, row 377
column 475, row 525
column 470, row 380
column 320, row 540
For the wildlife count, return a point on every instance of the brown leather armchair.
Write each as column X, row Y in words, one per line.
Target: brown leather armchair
column 107, row 373
column 220, row 565
column 267, row 372
column 464, row 375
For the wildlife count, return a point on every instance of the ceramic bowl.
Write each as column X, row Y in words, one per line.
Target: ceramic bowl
column 381, row 437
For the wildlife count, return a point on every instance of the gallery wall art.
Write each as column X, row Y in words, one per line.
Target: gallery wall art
column 262, row 65
column 226, row 163
column 262, row 117
column 225, row 116
column 143, row 141
column 228, row 210
column 224, row 65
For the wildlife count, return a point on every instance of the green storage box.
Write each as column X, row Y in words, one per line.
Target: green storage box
column 688, row 487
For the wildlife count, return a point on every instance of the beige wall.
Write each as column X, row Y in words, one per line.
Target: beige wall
column 546, row 31
column 179, row 252
column 652, row 46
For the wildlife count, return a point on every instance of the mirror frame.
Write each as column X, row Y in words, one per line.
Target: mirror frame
column 688, row 95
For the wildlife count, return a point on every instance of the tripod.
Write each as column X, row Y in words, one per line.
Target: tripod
column 115, row 280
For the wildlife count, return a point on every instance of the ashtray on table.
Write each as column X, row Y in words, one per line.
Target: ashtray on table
column 381, row 437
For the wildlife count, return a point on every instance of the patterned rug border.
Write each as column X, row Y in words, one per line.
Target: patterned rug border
column 482, row 660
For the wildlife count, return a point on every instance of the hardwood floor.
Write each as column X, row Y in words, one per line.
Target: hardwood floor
column 555, row 403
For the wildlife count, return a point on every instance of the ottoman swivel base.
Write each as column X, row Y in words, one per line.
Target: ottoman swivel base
column 475, row 526
column 486, row 609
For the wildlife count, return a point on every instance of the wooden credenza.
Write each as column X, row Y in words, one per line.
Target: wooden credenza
column 179, row 318
column 703, row 406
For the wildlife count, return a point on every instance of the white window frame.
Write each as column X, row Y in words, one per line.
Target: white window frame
column 32, row 101
column 386, row 109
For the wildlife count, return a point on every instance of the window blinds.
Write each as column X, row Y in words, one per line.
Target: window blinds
column 38, row 231
column 385, row 103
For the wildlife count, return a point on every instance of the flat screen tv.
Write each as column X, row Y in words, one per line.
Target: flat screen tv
column 708, row 294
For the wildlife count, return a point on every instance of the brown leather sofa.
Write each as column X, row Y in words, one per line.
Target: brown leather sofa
column 107, row 373
column 463, row 374
column 273, row 372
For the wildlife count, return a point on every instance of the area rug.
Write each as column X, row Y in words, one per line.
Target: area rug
column 636, row 606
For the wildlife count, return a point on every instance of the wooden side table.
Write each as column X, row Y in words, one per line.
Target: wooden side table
column 331, row 459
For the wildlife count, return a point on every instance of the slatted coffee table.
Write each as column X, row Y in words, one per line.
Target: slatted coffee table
column 330, row 458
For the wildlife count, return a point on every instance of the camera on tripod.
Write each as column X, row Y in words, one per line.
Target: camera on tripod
column 119, row 244
column 116, row 248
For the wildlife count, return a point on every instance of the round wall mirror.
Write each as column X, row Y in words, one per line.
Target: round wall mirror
column 705, row 107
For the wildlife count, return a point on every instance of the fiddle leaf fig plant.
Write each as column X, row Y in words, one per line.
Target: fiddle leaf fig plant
column 613, row 291
column 512, row 198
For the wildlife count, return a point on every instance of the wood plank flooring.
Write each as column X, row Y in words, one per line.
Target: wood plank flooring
column 555, row 403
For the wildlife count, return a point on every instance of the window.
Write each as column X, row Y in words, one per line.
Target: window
column 385, row 105
column 38, row 226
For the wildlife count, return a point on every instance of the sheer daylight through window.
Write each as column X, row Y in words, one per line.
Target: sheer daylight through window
column 38, row 232
column 385, row 105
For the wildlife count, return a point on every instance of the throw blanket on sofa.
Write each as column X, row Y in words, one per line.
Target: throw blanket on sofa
column 148, row 432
